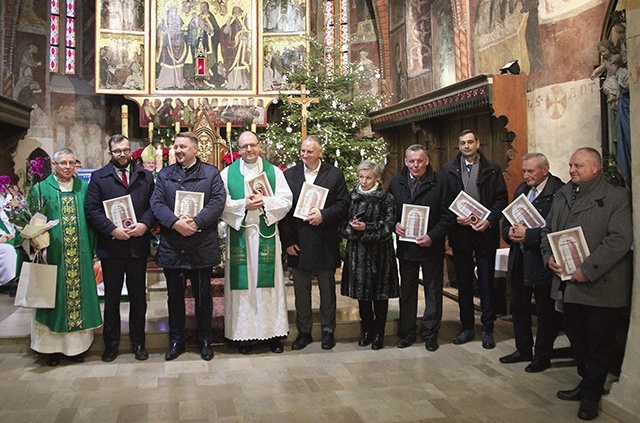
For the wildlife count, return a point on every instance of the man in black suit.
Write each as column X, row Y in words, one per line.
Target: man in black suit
column 475, row 241
column 123, row 246
column 528, row 274
column 417, row 183
column 313, row 244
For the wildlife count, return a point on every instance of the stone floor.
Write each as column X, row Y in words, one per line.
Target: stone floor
column 348, row 384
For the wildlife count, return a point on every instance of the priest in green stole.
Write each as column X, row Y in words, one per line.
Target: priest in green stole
column 254, row 291
column 67, row 328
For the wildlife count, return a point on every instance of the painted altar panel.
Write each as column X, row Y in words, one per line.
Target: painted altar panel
column 122, row 43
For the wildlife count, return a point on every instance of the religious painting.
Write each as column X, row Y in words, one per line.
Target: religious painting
column 188, row 204
column 414, row 220
column 29, row 57
column 522, row 212
column 279, row 55
column 203, row 45
column 122, row 15
column 419, row 49
column 284, row 16
column 396, row 16
column 121, row 63
column 311, row 197
column 120, row 211
column 569, row 249
column 465, row 205
column 360, row 22
column 444, row 60
column 259, row 184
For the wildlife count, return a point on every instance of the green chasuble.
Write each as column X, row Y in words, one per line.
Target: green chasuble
column 238, row 272
column 72, row 250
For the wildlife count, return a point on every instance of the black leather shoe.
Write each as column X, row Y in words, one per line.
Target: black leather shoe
column 538, row 365
column 431, row 344
column 488, row 343
column 378, row 342
column 76, row 358
column 275, row 345
column 245, row 349
column 301, row 341
column 588, row 409
column 140, row 352
column 174, row 351
column 464, row 336
column 52, row 359
column 206, row 351
column 516, row 357
column 328, row 341
column 367, row 338
column 406, row 342
column 570, row 395
column 109, row 355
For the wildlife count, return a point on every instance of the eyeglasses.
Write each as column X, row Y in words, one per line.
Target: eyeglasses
column 124, row 151
column 246, row 146
column 66, row 164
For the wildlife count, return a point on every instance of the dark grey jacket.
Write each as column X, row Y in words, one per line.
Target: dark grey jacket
column 604, row 213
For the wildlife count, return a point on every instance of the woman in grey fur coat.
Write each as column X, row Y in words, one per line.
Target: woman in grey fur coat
column 370, row 272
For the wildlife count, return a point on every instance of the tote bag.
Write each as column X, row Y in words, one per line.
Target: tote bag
column 37, row 285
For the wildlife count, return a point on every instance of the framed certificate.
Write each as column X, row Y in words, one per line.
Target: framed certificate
column 260, row 184
column 188, row 204
column 522, row 211
column 414, row 220
column 465, row 205
column 569, row 249
column 120, row 211
column 311, row 197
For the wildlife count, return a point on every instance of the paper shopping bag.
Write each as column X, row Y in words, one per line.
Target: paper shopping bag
column 37, row 286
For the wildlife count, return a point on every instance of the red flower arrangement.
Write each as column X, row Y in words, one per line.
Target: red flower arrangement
column 229, row 158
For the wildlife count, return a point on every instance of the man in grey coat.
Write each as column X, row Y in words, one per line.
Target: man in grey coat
column 601, row 286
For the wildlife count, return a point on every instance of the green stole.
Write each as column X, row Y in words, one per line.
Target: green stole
column 238, row 272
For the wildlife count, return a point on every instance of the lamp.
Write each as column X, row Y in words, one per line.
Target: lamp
column 511, row 68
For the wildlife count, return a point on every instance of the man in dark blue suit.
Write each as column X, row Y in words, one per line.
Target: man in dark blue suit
column 528, row 274
column 123, row 246
column 313, row 244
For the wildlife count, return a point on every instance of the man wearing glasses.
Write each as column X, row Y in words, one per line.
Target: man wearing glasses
column 123, row 246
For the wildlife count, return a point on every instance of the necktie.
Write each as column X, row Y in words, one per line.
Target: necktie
column 124, row 178
column 576, row 188
column 533, row 193
column 469, row 166
column 414, row 186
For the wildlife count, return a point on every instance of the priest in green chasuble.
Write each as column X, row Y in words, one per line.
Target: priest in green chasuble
column 68, row 328
column 254, row 291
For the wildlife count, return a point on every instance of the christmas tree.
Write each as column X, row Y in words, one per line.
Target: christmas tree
column 340, row 118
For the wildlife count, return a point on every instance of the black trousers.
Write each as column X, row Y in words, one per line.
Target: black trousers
column 373, row 315
column 113, row 272
column 302, row 290
column 592, row 332
column 549, row 320
column 201, row 288
column 464, row 263
column 432, row 274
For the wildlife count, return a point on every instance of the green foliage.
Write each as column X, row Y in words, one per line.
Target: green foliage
column 340, row 117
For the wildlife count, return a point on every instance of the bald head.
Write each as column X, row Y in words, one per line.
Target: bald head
column 249, row 146
column 585, row 164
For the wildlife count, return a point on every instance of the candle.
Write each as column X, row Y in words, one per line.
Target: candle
column 178, row 127
column 150, row 130
column 172, row 154
column 228, row 130
column 124, row 115
column 158, row 157
column 253, row 128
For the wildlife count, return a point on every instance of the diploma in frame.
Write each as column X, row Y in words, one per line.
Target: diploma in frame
column 311, row 197
column 521, row 211
column 120, row 211
column 569, row 249
column 465, row 205
column 259, row 184
column 414, row 220
column 188, row 204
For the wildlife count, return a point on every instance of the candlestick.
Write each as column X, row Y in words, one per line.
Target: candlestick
column 253, row 128
column 158, row 158
column 177, row 127
column 228, row 130
column 150, row 131
column 124, row 115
